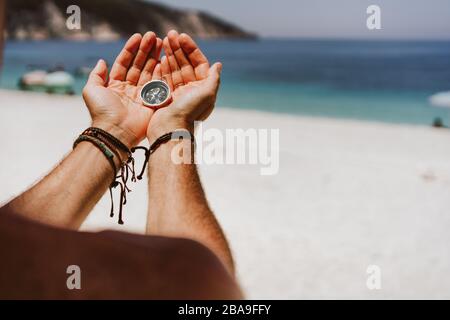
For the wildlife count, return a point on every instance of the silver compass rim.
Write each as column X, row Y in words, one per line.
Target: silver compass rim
column 160, row 82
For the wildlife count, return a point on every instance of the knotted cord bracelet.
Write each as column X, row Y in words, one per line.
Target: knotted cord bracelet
column 99, row 133
column 177, row 134
column 109, row 146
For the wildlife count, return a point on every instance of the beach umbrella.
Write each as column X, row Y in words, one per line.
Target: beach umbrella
column 441, row 100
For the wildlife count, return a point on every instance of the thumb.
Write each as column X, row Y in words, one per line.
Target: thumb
column 97, row 77
column 214, row 75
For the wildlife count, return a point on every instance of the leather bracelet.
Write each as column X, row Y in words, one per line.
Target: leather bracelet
column 177, row 134
column 100, row 133
column 101, row 146
column 110, row 146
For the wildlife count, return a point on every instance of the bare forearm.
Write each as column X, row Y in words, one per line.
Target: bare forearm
column 178, row 206
column 65, row 196
column 68, row 193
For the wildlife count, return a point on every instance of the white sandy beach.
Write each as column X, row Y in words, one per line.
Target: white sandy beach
column 349, row 194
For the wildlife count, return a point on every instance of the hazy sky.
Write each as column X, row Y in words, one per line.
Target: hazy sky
column 424, row 19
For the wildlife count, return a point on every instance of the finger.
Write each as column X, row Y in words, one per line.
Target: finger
column 125, row 58
column 195, row 56
column 147, row 43
column 166, row 74
column 177, row 79
column 187, row 71
column 98, row 75
column 157, row 72
column 152, row 62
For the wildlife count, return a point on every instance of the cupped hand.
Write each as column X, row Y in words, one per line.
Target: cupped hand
column 114, row 104
column 194, row 85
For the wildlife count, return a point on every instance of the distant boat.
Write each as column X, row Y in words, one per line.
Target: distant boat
column 82, row 71
column 441, row 99
column 41, row 80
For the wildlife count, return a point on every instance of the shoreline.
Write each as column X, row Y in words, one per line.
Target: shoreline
column 349, row 194
column 285, row 114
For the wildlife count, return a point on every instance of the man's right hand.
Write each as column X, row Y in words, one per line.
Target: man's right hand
column 194, row 85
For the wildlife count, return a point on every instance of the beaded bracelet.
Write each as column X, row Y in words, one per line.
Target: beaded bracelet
column 101, row 146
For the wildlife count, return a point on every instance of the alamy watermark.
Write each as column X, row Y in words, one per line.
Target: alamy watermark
column 374, row 19
column 73, row 22
column 374, row 279
column 74, row 279
column 235, row 146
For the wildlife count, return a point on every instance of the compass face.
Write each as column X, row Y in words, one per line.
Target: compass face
column 155, row 93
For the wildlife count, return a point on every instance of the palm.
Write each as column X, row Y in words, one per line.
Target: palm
column 118, row 102
column 185, row 69
column 191, row 96
column 189, row 91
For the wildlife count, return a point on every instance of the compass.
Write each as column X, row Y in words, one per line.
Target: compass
column 155, row 94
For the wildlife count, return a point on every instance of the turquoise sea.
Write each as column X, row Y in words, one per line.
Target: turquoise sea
column 387, row 81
